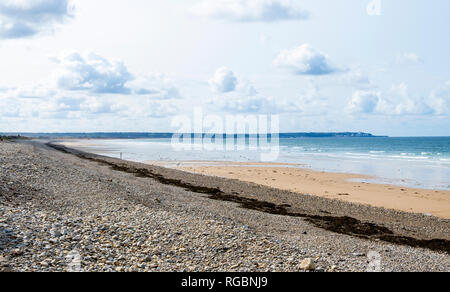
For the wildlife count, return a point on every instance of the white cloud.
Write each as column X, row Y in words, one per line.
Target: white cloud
column 9, row 108
column 250, row 10
column 262, row 104
column 356, row 78
column 223, row 81
column 364, row 102
column 239, row 103
column 141, row 109
column 246, row 87
column 397, row 103
column 155, row 86
column 76, row 106
column 242, row 97
column 26, row 18
column 161, row 109
column 90, row 86
column 239, row 96
column 97, row 106
column 440, row 99
column 305, row 60
column 309, row 103
column 93, row 73
column 70, row 104
column 40, row 90
column 58, row 107
column 409, row 58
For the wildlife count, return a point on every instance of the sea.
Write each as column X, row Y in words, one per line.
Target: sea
column 419, row 162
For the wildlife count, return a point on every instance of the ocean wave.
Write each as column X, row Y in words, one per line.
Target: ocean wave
column 356, row 154
column 409, row 157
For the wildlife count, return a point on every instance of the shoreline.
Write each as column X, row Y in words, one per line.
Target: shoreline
column 338, row 186
column 298, row 178
column 255, row 193
column 422, row 173
column 68, row 199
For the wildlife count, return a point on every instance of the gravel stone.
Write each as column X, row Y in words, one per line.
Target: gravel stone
column 61, row 213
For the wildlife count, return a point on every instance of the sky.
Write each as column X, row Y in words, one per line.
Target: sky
column 375, row 66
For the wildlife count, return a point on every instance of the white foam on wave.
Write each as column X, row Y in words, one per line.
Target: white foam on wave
column 410, row 157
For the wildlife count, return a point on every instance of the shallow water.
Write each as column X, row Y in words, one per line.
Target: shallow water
column 412, row 162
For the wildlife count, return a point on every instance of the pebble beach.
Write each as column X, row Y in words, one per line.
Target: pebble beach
column 59, row 207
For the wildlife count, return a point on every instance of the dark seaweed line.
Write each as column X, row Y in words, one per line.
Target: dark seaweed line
column 342, row 225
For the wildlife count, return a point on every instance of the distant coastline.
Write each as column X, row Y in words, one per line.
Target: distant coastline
column 168, row 135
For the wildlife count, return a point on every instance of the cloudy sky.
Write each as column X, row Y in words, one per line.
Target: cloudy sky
column 377, row 66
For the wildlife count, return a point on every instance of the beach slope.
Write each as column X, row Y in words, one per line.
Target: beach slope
column 346, row 187
column 115, row 215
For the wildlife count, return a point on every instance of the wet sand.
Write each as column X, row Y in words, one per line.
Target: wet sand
column 328, row 185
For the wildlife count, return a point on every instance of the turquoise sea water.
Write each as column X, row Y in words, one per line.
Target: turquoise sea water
column 422, row 162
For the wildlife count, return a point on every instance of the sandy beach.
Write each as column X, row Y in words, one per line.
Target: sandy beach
column 328, row 185
column 122, row 216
